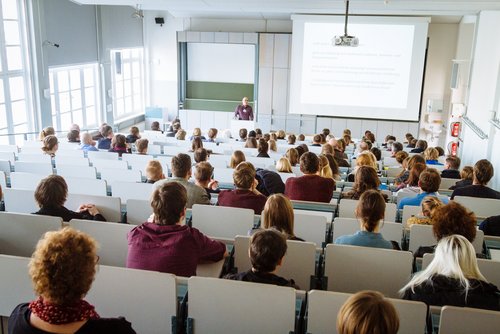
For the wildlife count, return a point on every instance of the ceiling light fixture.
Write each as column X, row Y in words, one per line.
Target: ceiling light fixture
column 345, row 40
column 138, row 13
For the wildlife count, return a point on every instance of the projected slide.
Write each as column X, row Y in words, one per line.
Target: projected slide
column 380, row 79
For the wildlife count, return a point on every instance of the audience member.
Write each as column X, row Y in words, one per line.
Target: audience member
column 62, row 270
column 172, row 125
column 396, row 147
column 258, row 133
column 325, row 132
column 87, row 143
column 400, row 157
column 262, row 148
column 334, row 167
column 283, row 166
column 51, row 194
column 411, row 186
column 48, row 131
column 448, row 219
column 236, row 158
column 118, row 144
column 272, row 145
column 50, row 145
column 196, row 143
column 367, row 312
column 155, row 126
column 366, row 179
column 181, row 173
column 431, row 156
column 180, row 134
column 453, row 278
column 107, row 134
column 141, row 145
column 166, row 244
column 200, row 155
column 420, row 146
column 291, row 139
column 266, row 136
column 292, row 154
column 301, row 137
column 365, row 158
column 324, row 167
column 134, row 135
column 212, row 135
column 412, row 143
column 267, row 250
column 154, row 171
column 451, row 168
column 440, row 151
column 269, row 182
column 278, row 214
column 316, row 140
column 370, row 211
column 246, row 194
column 483, row 172
column 310, row 186
column 173, row 129
column 428, row 182
column 73, row 136
column 203, row 172
column 429, row 204
column 281, row 135
column 416, row 159
column 300, row 151
column 251, row 143
column 197, row 133
column 243, row 134
column 252, row 134
column 377, row 153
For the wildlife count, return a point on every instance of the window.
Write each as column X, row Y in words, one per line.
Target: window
column 16, row 114
column 74, row 93
column 128, row 82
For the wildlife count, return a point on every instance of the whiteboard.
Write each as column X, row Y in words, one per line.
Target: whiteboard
column 217, row 62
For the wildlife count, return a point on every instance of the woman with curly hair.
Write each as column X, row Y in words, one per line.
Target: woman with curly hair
column 62, row 269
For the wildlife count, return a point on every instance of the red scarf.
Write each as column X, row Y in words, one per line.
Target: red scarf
column 59, row 315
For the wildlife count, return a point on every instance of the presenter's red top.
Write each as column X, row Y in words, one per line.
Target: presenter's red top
column 244, row 113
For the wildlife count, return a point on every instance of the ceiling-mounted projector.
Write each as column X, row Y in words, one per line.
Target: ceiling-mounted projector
column 345, row 40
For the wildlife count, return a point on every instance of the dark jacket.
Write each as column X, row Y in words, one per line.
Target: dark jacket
column 491, row 226
column 269, row 182
column 442, row 290
column 461, row 183
column 67, row 215
column 264, row 278
column 19, row 323
column 450, row 174
column 476, row 190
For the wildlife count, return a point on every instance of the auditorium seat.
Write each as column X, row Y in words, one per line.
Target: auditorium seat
column 482, row 207
column 20, row 232
column 468, row 320
column 299, row 263
column 352, row 268
column 245, row 307
column 109, row 207
column 422, row 235
column 323, row 307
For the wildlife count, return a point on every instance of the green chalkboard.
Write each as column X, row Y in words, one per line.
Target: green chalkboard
column 218, row 96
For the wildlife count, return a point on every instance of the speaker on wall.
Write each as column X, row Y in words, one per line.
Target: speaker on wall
column 160, row 21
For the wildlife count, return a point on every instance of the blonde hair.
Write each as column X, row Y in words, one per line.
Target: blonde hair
column 455, row 258
column 272, row 145
column 324, row 167
column 236, row 158
column 431, row 154
column 197, row 132
column 180, row 135
column 293, row 156
column 278, row 214
column 367, row 312
column 429, row 204
column 87, row 139
column 63, row 266
column 154, row 171
column 367, row 159
column 141, row 145
column 283, row 166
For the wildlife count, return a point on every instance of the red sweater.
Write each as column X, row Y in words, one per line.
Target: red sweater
column 242, row 199
column 312, row 188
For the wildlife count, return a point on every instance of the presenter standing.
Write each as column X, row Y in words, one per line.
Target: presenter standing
column 244, row 111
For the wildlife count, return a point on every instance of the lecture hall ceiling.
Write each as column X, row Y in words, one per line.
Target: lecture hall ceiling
column 282, row 9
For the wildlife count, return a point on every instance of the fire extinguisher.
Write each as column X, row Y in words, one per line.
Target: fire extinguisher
column 453, row 148
column 455, row 129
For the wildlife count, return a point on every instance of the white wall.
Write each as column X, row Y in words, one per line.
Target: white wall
column 483, row 85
